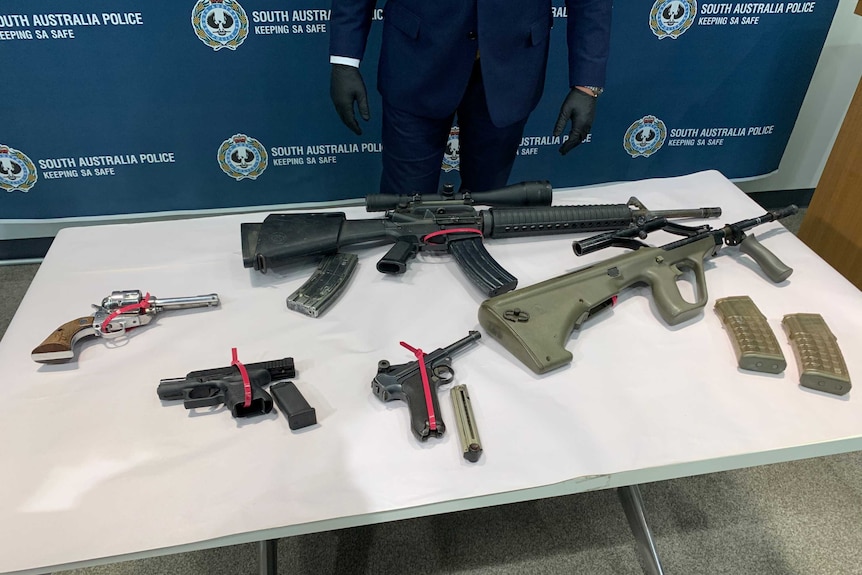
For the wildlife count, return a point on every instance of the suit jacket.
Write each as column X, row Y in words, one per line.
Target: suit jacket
column 429, row 47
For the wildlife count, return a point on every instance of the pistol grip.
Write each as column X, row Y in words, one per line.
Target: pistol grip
column 672, row 307
column 234, row 400
column 59, row 346
column 395, row 260
column 414, row 395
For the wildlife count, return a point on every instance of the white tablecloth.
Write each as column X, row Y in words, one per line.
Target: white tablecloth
column 95, row 466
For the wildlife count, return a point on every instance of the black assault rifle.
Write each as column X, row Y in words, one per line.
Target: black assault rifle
column 447, row 223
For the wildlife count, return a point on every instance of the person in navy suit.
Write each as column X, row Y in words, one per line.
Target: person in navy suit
column 483, row 61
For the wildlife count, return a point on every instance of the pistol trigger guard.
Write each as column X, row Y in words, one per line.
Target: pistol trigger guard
column 444, row 373
column 126, row 322
column 112, row 334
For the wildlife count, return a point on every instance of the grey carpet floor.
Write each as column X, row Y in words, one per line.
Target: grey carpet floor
column 797, row 518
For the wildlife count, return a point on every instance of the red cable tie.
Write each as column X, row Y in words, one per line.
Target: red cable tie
column 448, row 231
column 426, row 386
column 143, row 304
column 246, row 382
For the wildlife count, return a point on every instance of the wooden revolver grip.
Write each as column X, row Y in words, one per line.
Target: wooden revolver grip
column 57, row 347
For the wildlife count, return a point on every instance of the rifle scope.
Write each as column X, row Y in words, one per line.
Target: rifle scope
column 523, row 194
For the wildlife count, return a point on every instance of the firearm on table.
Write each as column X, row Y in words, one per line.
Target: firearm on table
column 226, row 385
column 416, row 383
column 534, row 323
column 119, row 312
column 445, row 223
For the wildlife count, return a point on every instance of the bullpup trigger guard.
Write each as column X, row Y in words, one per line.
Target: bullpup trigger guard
column 444, row 223
column 534, row 323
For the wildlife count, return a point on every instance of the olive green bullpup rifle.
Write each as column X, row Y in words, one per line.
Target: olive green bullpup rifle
column 534, row 323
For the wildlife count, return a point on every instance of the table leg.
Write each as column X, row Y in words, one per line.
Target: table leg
column 633, row 504
column 268, row 552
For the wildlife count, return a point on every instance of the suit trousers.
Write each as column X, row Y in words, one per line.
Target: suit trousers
column 413, row 146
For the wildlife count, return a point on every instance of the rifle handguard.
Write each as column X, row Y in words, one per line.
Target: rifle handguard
column 520, row 222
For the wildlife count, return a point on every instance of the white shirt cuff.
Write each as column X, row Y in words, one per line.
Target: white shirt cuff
column 344, row 60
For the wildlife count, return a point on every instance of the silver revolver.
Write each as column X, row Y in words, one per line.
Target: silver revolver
column 119, row 312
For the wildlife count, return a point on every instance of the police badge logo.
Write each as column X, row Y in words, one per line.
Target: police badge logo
column 242, row 157
column 452, row 155
column 220, row 23
column 670, row 18
column 17, row 171
column 645, row 137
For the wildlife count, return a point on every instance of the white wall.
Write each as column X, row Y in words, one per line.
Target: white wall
column 832, row 87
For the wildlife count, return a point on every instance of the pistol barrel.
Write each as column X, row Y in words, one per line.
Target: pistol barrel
column 172, row 388
column 473, row 336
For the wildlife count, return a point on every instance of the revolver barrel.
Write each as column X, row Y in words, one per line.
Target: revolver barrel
column 208, row 300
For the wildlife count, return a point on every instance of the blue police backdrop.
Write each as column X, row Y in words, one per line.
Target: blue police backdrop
column 121, row 106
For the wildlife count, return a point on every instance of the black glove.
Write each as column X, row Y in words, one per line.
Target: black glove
column 580, row 108
column 345, row 87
